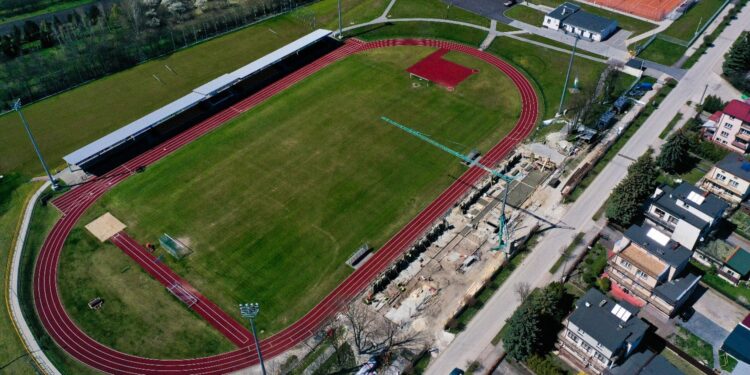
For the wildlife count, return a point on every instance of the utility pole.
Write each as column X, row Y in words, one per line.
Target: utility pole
column 341, row 35
column 567, row 77
column 250, row 311
column 17, row 108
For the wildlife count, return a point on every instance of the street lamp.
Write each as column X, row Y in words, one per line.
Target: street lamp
column 17, row 108
column 250, row 311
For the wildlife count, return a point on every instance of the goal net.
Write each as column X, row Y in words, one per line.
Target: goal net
column 174, row 247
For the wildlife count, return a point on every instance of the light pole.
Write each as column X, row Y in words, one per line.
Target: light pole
column 341, row 36
column 250, row 311
column 17, row 108
column 567, row 77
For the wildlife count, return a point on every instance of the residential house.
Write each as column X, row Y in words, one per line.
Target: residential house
column 600, row 333
column 649, row 266
column 729, row 179
column 737, row 267
column 645, row 362
column 732, row 128
column 686, row 212
column 571, row 19
column 737, row 344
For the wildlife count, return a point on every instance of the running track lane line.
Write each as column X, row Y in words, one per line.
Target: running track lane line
column 75, row 203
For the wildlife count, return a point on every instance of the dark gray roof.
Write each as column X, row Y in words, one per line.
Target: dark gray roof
column 590, row 22
column 736, row 165
column 599, row 322
column 673, row 253
column 712, row 205
column 660, row 366
column 564, row 11
column 676, row 290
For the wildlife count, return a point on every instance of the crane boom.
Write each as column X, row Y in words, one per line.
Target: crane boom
column 471, row 162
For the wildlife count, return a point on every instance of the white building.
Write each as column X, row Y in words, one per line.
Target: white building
column 686, row 212
column 571, row 19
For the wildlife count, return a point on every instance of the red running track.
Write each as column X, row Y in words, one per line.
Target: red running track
column 73, row 204
column 230, row 328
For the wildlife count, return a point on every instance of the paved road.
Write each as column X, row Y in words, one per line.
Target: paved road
column 474, row 340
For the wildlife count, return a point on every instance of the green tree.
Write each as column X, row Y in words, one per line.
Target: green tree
column 737, row 63
column 521, row 337
column 625, row 203
column 713, row 103
column 675, row 153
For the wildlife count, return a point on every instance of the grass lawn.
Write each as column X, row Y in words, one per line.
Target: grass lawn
column 353, row 12
column 631, row 24
column 694, row 346
column 70, row 120
column 566, row 253
column 740, row 294
column 686, row 26
column 680, row 363
column 435, row 9
column 554, row 43
column 14, row 193
column 296, row 192
column 663, row 52
column 664, row 133
column 742, row 221
column 547, row 68
column 727, row 362
column 466, row 35
column 526, row 14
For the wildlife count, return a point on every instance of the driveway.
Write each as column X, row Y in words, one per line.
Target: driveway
column 718, row 309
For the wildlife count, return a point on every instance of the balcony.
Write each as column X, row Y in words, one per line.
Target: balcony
column 660, row 221
column 624, row 278
column 740, row 144
column 744, row 137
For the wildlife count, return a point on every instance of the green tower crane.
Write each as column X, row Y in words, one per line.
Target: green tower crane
column 471, row 163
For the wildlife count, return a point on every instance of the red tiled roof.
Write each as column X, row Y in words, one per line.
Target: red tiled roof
column 738, row 109
column 746, row 321
column 716, row 116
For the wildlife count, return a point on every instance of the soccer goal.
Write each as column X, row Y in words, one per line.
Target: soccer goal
column 174, row 247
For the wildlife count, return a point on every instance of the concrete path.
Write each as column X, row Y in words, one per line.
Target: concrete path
column 482, row 328
column 21, row 325
column 598, row 48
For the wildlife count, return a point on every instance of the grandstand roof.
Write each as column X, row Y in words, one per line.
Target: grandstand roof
column 178, row 106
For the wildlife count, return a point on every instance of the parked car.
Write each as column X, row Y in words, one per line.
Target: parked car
column 509, row 3
column 457, row 371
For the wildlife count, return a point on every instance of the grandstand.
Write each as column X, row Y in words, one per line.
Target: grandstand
column 113, row 149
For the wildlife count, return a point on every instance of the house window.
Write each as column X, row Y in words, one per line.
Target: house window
column 744, row 131
column 672, row 220
column 721, row 177
column 728, row 125
column 625, row 263
column 585, row 346
column 573, row 337
column 724, row 134
column 601, row 358
column 641, row 274
column 659, row 212
column 733, row 183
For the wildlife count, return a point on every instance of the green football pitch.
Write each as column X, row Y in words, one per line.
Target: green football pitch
column 274, row 202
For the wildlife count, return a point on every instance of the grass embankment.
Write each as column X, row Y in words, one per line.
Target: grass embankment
column 435, row 9
column 72, row 119
column 577, row 240
column 445, row 31
column 287, row 196
column 14, row 193
column 526, row 14
column 631, row 24
column 708, row 40
column 684, row 28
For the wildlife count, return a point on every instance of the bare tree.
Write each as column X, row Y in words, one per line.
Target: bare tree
column 133, row 10
column 374, row 334
column 522, row 289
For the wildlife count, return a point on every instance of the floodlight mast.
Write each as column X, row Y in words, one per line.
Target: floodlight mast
column 250, row 311
column 501, row 233
column 17, row 108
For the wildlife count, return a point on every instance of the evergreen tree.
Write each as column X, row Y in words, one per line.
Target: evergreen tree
column 625, row 203
column 713, row 103
column 521, row 337
column 737, row 63
column 675, row 154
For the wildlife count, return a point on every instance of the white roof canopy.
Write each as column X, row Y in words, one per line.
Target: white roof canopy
column 199, row 94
